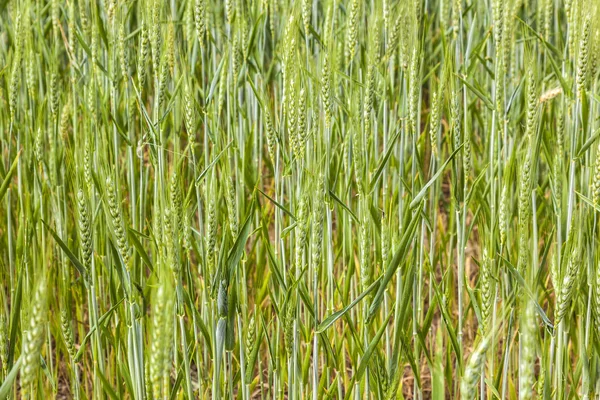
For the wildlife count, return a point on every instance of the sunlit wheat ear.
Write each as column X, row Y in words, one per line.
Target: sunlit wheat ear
column 163, row 81
column 176, row 202
column 498, row 19
column 72, row 30
column 85, row 229
column 229, row 10
column 232, row 209
column 352, row 34
column 532, row 104
column 200, row 19
column 273, row 18
column 456, row 15
column 467, row 157
column 55, row 16
column 572, row 16
column 503, row 215
column 318, row 214
column 366, row 268
column 567, row 286
column 487, row 290
column 548, row 18
column 301, row 126
column 211, row 224
column 118, row 224
column 33, row 337
column 65, row 326
column 326, row 90
column 468, row 385
column 54, row 94
column 143, row 56
column 270, row 135
column 170, row 47
column 190, row 120
column 31, row 68
column 94, row 46
column 327, row 24
column 381, row 373
column 386, row 240
column 583, row 59
column 87, row 165
column 595, row 187
column 301, row 231
column 306, row 14
column 524, row 207
column 527, row 336
column 414, row 89
column 455, row 120
column 39, row 145
column 162, row 314
column 395, row 35
column 169, row 242
column 237, row 57
column 434, row 123
column 13, row 89
column 370, row 97
column 123, row 53
column 288, row 327
column 65, row 121
column 156, row 36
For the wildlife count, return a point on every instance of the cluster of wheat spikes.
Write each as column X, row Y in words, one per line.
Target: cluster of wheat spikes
column 290, row 199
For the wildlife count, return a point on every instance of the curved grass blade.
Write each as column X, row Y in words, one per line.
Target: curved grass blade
column 364, row 361
column 394, row 263
column 330, row 320
column 383, row 162
column 240, row 243
column 9, row 380
column 66, row 249
column 417, row 199
column 9, row 174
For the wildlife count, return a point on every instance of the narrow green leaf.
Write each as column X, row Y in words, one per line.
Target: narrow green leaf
column 213, row 162
column 280, row 206
column 383, row 162
column 530, row 294
column 486, row 100
column 240, row 243
column 15, row 318
column 68, row 252
column 588, row 143
column 330, row 320
column 93, row 329
column 344, row 206
column 9, row 174
column 394, row 264
column 133, row 234
column 10, row 379
column 366, row 357
column 417, row 199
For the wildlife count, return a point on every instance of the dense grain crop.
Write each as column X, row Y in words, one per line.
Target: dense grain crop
column 279, row 199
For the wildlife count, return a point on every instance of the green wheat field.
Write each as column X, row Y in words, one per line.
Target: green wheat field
column 299, row 199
